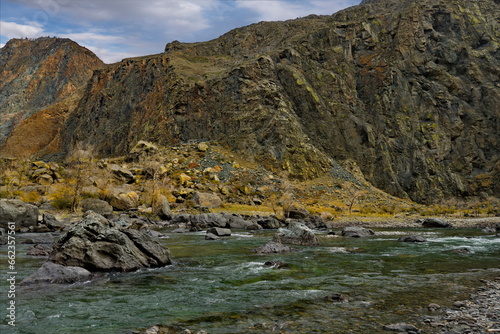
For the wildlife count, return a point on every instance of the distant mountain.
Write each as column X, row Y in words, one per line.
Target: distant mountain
column 408, row 91
column 35, row 74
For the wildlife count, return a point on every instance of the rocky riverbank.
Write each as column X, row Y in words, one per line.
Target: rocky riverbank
column 479, row 314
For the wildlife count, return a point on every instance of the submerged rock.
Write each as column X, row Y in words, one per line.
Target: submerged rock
column 98, row 244
column 402, row 328
column 52, row 273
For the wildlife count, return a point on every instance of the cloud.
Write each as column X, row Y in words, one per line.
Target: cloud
column 16, row 30
column 265, row 10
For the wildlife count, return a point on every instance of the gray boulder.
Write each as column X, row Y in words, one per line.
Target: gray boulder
column 121, row 173
column 273, row 247
column 357, row 232
column 97, row 205
column 219, row 231
column 52, row 273
column 14, row 210
column 163, row 209
column 296, row 233
column 98, row 244
column 211, row 236
column 434, row 223
column 412, row 238
column 39, row 250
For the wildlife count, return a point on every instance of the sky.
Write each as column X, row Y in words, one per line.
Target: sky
column 117, row 29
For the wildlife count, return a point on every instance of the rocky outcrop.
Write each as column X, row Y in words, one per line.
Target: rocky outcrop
column 18, row 212
column 36, row 74
column 406, row 89
column 98, row 244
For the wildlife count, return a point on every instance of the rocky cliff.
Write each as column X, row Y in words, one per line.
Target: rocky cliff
column 35, row 74
column 407, row 90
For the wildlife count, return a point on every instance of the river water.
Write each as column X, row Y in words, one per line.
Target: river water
column 224, row 287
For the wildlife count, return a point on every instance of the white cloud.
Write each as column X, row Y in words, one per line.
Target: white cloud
column 16, row 30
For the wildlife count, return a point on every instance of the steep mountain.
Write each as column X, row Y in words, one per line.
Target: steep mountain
column 407, row 90
column 35, row 74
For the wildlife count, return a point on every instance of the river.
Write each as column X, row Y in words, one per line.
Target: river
column 224, row 287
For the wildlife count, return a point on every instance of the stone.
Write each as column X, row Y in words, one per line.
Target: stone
column 433, row 307
column 51, row 222
column 412, row 238
column 142, row 149
column 37, row 238
column 97, row 205
column 18, row 212
column 273, row 247
column 337, row 298
column 184, row 178
column 123, row 200
column 39, row 250
column 434, row 223
column 162, row 208
column 98, row 244
column 269, row 222
column 276, row 264
column 296, row 211
column 356, row 232
column 211, row 236
column 52, row 273
column 208, row 200
column 402, row 328
column 202, row 147
column 122, row 174
column 296, row 233
column 219, row 231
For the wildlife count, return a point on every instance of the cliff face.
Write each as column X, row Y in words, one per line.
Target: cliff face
column 35, row 74
column 409, row 90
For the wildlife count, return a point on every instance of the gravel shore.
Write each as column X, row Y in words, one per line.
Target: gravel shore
column 479, row 314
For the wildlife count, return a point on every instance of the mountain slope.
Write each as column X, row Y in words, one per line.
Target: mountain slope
column 407, row 90
column 37, row 73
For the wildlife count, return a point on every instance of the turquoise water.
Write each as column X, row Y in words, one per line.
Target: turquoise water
column 223, row 287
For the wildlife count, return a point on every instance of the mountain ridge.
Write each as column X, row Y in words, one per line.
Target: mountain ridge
column 406, row 91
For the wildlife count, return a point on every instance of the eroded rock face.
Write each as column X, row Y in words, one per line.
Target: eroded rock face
column 98, row 244
column 406, row 89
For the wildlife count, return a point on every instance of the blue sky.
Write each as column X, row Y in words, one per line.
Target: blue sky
column 116, row 29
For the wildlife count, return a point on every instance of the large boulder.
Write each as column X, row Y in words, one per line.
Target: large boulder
column 434, row 223
column 412, row 238
column 123, row 198
column 52, row 273
column 121, row 173
column 296, row 233
column 97, row 205
column 296, row 211
column 98, row 244
column 357, row 232
column 208, row 200
column 162, row 208
column 219, row 231
column 19, row 212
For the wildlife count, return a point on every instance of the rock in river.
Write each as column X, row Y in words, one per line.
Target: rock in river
column 297, row 234
column 357, row 232
column 98, row 244
column 51, row 273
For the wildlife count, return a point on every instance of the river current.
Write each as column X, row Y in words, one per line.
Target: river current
column 224, row 287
